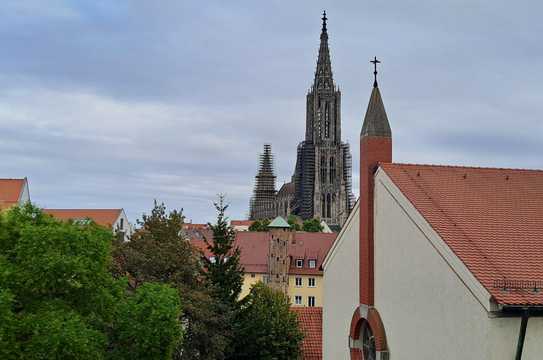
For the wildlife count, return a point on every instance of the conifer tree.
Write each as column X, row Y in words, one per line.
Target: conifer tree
column 223, row 269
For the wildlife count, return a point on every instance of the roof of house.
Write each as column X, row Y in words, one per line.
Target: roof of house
column 254, row 248
column 490, row 218
column 286, row 189
column 310, row 320
column 103, row 217
column 10, row 191
column 241, row 222
column 191, row 226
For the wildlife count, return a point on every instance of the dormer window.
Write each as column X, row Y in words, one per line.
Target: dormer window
column 300, row 263
column 312, row 263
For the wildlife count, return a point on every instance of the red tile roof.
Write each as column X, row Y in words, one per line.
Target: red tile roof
column 492, row 219
column 310, row 320
column 241, row 222
column 103, row 217
column 254, row 248
column 10, row 192
column 191, row 226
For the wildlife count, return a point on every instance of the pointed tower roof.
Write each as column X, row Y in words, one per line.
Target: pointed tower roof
column 279, row 222
column 376, row 120
column 324, row 65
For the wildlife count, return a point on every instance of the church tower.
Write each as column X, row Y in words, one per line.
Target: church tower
column 323, row 168
column 262, row 205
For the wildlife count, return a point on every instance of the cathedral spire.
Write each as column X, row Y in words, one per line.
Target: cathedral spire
column 323, row 74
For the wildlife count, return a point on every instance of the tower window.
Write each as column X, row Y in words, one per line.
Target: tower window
column 328, row 206
column 323, row 169
column 326, row 120
column 332, row 171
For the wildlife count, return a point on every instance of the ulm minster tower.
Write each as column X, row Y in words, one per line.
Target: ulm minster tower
column 321, row 184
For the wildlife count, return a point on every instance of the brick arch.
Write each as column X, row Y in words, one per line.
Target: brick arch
column 370, row 315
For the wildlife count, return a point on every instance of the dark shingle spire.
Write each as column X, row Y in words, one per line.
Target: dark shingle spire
column 376, row 120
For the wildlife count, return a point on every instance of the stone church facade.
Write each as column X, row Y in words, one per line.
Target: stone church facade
column 321, row 185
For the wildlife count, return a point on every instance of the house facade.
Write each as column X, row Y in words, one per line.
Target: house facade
column 435, row 262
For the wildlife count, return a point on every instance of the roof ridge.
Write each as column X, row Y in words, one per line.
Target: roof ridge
column 462, row 167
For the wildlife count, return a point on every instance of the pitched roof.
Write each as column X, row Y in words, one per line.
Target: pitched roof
column 279, row 223
column 286, row 189
column 103, row 217
column 310, row 321
column 490, row 218
column 10, row 191
column 254, row 248
column 241, row 222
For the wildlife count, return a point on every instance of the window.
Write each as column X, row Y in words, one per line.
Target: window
column 299, row 263
column 252, row 275
column 328, row 206
column 122, row 224
column 323, row 169
column 311, row 301
column 368, row 342
column 312, row 263
column 311, row 282
column 212, row 259
column 332, row 172
column 298, row 300
column 299, row 282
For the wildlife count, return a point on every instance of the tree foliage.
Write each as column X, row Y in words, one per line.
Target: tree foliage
column 265, row 327
column 223, row 269
column 312, row 225
column 294, row 222
column 260, row 225
column 159, row 251
column 58, row 299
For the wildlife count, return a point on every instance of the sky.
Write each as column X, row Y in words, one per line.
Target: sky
column 109, row 104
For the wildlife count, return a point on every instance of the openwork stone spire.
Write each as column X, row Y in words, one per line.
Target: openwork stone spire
column 261, row 206
column 323, row 74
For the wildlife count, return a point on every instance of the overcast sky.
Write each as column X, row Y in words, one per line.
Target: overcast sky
column 116, row 103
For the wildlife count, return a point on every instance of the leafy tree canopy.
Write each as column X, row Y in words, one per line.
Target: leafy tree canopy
column 260, row 225
column 312, row 225
column 265, row 327
column 58, row 299
column 160, row 251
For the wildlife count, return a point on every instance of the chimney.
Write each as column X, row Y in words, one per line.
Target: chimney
column 375, row 147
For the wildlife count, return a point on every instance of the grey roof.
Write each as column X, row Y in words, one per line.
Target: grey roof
column 279, row 222
column 376, row 120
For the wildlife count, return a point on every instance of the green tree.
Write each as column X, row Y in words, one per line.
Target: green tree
column 294, row 222
column 260, row 225
column 159, row 251
column 265, row 328
column 312, row 225
column 58, row 299
column 223, row 269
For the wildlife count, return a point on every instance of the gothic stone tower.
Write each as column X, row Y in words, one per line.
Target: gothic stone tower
column 323, row 167
column 262, row 204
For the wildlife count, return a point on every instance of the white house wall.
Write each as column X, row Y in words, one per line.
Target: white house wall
column 427, row 310
column 341, row 289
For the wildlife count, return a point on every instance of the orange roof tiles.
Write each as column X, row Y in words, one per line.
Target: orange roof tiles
column 241, row 222
column 10, row 192
column 310, row 320
column 254, row 248
column 103, row 217
column 492, row 219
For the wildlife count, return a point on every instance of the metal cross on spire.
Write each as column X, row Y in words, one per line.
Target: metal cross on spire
column 375, row 62
column 324, row 18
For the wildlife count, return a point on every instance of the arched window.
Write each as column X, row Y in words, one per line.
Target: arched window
column 323, row 169
column 328, row 206
column 332, row 171
column 326, row 120
column 323, row 205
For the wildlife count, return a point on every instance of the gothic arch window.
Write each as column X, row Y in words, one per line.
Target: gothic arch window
column 323, row 169
column 326, row 120
column 323, row 205
column 328, row 206
column 334, row 208
column 332, row 170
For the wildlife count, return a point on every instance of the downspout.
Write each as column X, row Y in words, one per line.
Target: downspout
column 522, row 333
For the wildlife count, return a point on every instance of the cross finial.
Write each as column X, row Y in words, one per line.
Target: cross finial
column 375, row 62
column 324, row 18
